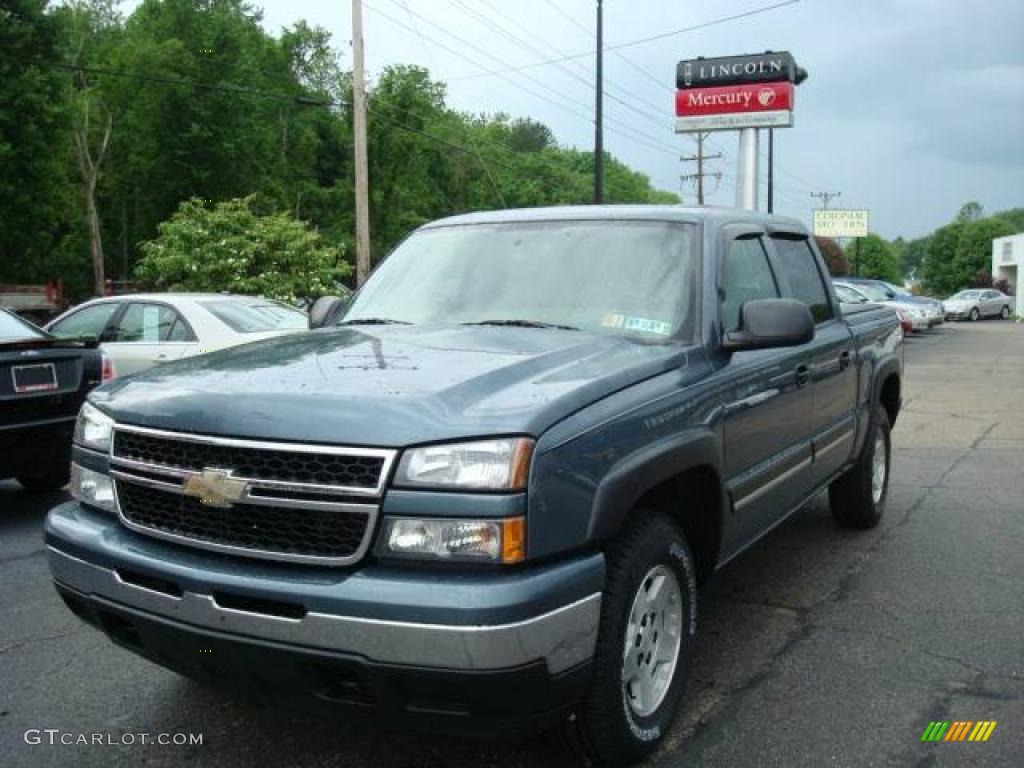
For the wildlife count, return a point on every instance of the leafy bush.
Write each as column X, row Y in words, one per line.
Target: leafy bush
column 230, row 247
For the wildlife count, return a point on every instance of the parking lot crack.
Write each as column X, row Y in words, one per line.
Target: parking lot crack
column 28, row 640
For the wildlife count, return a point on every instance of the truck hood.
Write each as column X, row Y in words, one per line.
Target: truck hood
column 387, row 386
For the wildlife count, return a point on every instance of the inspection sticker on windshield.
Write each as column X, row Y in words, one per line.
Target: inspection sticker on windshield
column 630, row 323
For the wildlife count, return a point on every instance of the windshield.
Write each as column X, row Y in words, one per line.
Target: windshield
column 254, row 316
column 849, row 295
column 873, row 291
column 13, row 328
column 622, row 277
column 968, row 295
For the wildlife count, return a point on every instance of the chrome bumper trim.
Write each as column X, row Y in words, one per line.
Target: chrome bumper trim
column 563, row 637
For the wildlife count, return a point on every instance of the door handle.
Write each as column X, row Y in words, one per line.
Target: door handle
column 803, row 375
column 844, row 360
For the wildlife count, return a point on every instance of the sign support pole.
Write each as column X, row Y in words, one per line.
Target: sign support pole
column 746, row 170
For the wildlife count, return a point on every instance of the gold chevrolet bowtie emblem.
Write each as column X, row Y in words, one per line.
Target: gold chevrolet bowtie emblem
column 216, row 487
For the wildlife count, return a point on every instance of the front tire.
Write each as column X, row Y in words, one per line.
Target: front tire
column 50, row 479
column 975, row 314
column 645, row 642
column 858, row 497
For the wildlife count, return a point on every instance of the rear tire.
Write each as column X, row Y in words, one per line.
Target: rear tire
column 858, row 497
column 1004, row 313
column 975, row 314
column 645, row 643
column 50, row 479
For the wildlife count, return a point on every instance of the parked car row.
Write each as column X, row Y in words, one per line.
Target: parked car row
column 916, row 313
column 919, row 313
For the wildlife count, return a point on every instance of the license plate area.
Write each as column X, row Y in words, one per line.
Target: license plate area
column 41, row 377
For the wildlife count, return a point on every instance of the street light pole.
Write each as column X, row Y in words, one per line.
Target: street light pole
column 599, row 110
column 359, row 142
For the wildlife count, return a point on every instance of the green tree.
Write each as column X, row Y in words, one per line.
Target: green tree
column 873, row 257
column 33, row 143
column 230, row 247
column 834, row 257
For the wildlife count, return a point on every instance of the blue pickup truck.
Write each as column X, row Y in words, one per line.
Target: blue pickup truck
column 484, row 496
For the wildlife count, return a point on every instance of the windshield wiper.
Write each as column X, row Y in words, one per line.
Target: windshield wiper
column 374, row 321
column 524, row 324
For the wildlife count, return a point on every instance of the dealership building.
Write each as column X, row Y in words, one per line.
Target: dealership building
column 1008, row 265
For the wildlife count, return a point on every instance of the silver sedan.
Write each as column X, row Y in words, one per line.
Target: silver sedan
column 978, row 303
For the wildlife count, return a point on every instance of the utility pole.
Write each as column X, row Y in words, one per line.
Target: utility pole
column 599, row 110
column 771, row 170
column 826, row 198
column 699, row 158
column 359, row 140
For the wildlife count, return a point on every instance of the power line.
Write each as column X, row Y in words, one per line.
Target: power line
column 302, row 101
column 641, row 41
column 623, row 128
column 654, row 116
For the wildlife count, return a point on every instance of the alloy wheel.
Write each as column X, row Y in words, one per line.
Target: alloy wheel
column 653, row 640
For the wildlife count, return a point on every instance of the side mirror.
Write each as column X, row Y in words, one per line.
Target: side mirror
column 325, row 309
column 768, row 323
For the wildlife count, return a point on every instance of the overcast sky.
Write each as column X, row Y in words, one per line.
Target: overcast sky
column 912, row 107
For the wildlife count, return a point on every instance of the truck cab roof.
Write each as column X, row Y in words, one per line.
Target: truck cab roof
column 715, row 215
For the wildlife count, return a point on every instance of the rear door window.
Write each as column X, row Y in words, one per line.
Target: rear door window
column 150, row 324
column 806, row 284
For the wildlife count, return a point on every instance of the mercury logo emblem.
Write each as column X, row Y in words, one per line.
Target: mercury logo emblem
column 766, row 96
column 216, row 487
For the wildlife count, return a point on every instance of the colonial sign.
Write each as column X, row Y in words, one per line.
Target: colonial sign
column 766, row 67
column 841, row 223
column 764, row 97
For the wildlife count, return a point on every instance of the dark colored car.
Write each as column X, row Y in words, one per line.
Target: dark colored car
column 43, row 383
column 485, row 497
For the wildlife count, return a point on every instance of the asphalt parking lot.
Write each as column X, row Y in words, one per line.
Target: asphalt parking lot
column 818, row 647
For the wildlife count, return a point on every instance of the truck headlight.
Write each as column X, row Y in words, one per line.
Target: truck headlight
column 487, row 465
column 92, row 488
column 94, row 429
column 488, row 541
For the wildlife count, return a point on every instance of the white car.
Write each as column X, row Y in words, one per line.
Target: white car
column 141, row 330
column 978, row 303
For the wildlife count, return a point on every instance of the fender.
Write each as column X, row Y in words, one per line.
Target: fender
column 890, row 365
column 642, row 470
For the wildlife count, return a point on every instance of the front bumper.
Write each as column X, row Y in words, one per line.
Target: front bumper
column 394, row 635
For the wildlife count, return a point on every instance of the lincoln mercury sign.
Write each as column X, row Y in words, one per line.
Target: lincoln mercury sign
column 735, row 92
column 841, row 223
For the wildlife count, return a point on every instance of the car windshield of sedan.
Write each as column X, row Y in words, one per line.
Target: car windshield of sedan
column 13, row 328
column 256, row 316
column 967, row 295
column 873, row 291
column 635, row 278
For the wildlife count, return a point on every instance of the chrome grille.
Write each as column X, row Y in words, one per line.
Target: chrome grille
column 283, row 501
